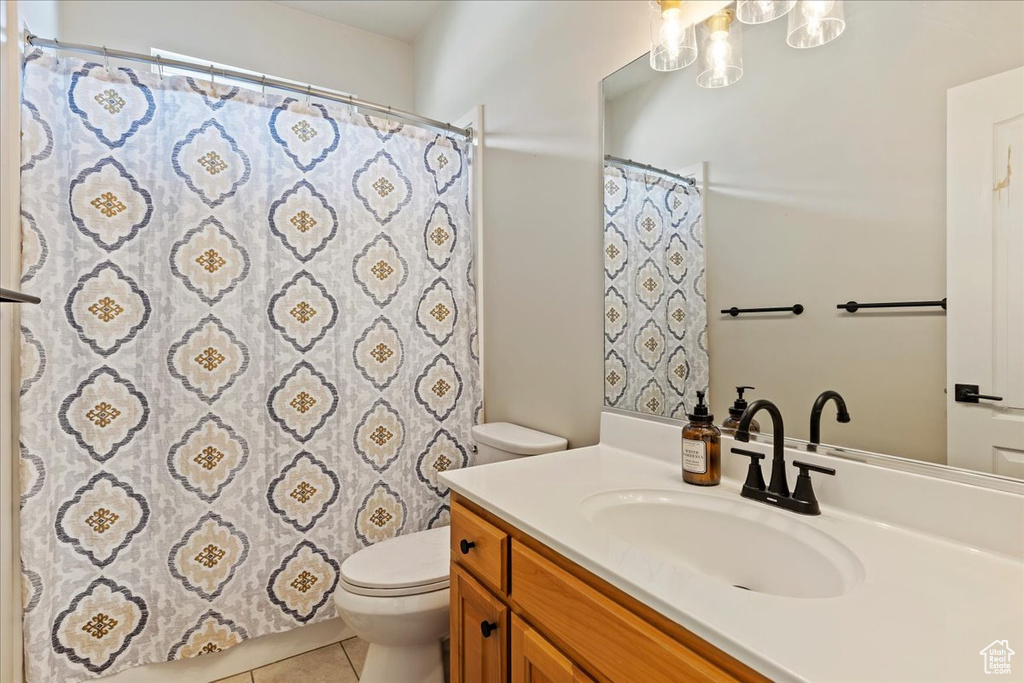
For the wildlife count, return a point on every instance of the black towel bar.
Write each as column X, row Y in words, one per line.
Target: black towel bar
column 853, row 306
column 795, row 309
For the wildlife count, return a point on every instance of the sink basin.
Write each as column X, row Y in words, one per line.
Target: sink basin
column 743, row 544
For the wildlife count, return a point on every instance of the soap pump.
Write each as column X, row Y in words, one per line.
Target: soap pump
column 702, row 454
column 736, row 412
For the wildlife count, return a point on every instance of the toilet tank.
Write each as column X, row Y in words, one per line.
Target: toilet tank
column 497, row 441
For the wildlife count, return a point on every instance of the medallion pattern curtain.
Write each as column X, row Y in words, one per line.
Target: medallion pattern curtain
column 655, row 301
column 255, row 352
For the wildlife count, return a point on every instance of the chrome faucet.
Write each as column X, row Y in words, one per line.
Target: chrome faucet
column 777, row 493
column 819, row 405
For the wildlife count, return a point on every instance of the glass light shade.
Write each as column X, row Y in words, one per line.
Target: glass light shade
column 721, row 51
column 815, row 22
column 762, row 11
column 673, row 43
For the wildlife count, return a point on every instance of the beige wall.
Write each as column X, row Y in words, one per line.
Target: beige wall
column 10, row 274
column 826, row 172
column 536, row 68
column 260, row 36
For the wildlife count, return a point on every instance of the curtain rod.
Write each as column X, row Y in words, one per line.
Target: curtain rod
column 262, row 80
column 619, row 161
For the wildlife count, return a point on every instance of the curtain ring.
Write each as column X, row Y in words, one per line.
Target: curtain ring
column 389, row 115
column 263, row 85
column 106, row 60
column 309, row 89
column 212, row 81
column 160, row 67
column 57, row 50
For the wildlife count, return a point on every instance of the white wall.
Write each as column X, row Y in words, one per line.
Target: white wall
column 42, row 16
column 536, row 67
column 260, row 36
column 827, row 179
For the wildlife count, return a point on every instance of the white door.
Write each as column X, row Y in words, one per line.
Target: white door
column 985, row 274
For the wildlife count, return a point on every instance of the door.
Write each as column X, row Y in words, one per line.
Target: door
column 479, row 632
column 535, row 660
column 985, row 273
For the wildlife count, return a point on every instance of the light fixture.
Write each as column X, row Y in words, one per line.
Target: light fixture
column 815, row 22
column 762, row 11
column 673, row 42
column 721, row 59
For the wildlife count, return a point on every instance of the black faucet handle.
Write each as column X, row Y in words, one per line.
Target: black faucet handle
column 806, row 467
column 804, row 490
column 753, row 455
column 755, row 479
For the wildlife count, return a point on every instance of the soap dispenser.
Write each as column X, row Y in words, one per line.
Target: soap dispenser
column 702, row 451
column 736, row 412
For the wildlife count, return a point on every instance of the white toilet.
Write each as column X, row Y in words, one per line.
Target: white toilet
column 394, row 594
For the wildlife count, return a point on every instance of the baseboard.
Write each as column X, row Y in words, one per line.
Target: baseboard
column 251, row 654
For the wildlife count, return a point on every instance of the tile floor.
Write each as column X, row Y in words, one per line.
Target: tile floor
column 338, row 663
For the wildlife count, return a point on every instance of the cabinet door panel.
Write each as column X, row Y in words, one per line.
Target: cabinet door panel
column 479, row 630
column 535, row 660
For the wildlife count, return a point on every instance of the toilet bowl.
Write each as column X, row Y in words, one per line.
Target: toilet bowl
column 394, row 594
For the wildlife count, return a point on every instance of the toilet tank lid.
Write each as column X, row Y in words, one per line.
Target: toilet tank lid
column 518, row 440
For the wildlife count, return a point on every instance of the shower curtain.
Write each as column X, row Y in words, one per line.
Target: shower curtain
column 254, row 355
column 655, row 302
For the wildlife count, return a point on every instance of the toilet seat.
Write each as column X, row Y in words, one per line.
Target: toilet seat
column 407, row 565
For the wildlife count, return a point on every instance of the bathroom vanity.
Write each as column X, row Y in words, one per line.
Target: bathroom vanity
column 520, row 607
column 600, row 564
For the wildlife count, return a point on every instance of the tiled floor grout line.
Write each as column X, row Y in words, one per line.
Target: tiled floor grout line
column 349, row 658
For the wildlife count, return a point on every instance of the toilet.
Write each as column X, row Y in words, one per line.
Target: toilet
column 394, row 594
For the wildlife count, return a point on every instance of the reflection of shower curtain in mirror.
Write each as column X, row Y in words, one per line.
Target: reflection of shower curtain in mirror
column 253, row 357
column 656, row 348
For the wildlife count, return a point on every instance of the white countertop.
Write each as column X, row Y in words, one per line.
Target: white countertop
column 925, row 609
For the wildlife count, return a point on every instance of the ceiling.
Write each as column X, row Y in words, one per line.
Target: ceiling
column 398, row 19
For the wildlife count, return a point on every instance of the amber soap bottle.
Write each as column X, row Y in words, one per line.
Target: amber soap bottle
column 702, row 447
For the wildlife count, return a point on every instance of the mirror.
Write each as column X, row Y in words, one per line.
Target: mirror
column 879, row 168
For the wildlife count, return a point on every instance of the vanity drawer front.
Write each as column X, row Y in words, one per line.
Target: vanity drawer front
column 480, row 547
column 597, row 631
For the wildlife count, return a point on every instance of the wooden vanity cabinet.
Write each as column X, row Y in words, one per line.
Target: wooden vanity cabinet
column 521, row 612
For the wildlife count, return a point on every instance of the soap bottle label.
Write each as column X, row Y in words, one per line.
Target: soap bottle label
column 695, row 456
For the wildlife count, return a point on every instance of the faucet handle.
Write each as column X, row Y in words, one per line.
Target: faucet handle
column 806, row 467
column 804, row 491
column 755, row 479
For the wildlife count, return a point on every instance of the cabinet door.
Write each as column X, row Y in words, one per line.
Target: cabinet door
column 479, row 632
column 535, row 660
